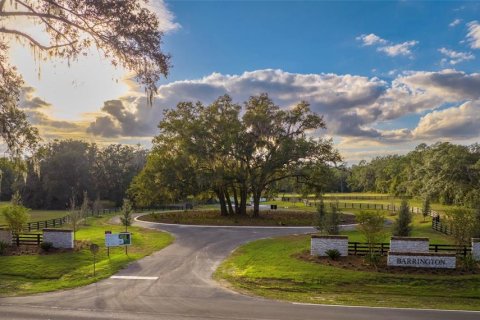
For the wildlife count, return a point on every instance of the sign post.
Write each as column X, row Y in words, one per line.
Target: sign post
column 108, row 248
column 94, row 249
column 118, row 240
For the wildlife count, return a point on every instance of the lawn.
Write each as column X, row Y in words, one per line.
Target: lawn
column 27, row 274
column 36, row 215
column 270, row 268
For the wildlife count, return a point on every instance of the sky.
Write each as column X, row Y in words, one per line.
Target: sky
column 386, row 75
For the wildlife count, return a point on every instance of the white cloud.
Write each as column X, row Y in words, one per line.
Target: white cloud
column 455, row 22
column 371, row 39
column 453, row 123
column 455, row 56
column 165, row 16
column 400, row 49
column 473, row 35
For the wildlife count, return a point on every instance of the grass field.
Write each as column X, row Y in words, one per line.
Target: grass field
column 37, row 215
column 271, row 269
column 27, row 274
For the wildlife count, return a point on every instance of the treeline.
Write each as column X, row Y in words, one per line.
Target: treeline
column 444, row 172
column 62, row 170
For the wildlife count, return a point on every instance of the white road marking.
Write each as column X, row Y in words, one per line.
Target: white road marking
column 133, row 278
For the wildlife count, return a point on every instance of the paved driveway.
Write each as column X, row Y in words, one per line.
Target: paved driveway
column 184, row 288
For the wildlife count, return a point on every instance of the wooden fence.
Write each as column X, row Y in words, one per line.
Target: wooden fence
column 334, row 197
column 441, row 227
column 362, row 248
column 32, row 239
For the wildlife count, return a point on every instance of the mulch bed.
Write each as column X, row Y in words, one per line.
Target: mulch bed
column 358, row 263
column 36, row 250
column 266, row 218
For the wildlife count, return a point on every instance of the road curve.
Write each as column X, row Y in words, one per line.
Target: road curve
column 184, row 288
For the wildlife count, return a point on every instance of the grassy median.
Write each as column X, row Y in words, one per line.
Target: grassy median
column 27, row 274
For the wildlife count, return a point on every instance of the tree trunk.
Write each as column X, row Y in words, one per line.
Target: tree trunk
column 256, row 203
column 229, row 202
column 235, row 200
column 243, row 200
column 221, row 199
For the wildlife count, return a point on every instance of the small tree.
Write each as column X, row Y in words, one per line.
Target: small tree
column 16, row 217
column 126, row 217
column 426, row 210
column 84, row 208
column 462, row 223
column 403, row 224
column 97, row 205
column 16, row 199
column 74, row 217
column 328, row 221
column 371, row 226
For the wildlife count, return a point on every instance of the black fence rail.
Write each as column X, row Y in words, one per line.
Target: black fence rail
column 335, row 197
column 441, row 227
column 33, row 239
column 362, row 248
column 51, row 223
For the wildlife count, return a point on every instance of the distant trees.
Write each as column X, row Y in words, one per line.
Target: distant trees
column 444, row 172
column 70, row 167
column 231, row 152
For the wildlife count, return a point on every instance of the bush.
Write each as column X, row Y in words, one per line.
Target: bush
column 373, row 259
column 3, row 247
column 16, row 216
column 333, row 254
column 46, row 246
column 328, row 221
column 469, row 262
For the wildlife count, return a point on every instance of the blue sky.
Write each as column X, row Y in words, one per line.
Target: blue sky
column 387, row 75
column 312, row 37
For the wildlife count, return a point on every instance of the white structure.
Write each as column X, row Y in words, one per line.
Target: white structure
column 476, row 248
column 408, row 244
column 6, row 236
column 60, row 238
column 422, row 260
column 319, row 245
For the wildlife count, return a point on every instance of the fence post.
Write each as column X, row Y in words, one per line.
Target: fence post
column 355, row 250
column 38, row 238
column 18, row 240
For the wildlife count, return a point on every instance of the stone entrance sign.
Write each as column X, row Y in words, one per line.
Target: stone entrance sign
column 60, row 238
column 476, row 248
column 319, row 245
column 408, row 244
column 422, row 260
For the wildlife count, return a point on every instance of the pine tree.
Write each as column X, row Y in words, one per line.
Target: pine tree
column 426, row 211
column 403, row 224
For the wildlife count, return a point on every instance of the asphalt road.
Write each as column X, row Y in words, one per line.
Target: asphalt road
column 184, row 288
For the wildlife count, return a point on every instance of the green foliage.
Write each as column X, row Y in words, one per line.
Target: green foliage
column 333, row 254
column 74, row 216
column 46, row 246
column 3, row 247
column 373, row 258
column 328, row 218
column 371, row 226
column 469, row 263
column 403, row 224
column 126, row 217
column 16, row 217
column 16, row 199
column 463, row 224
column 426, row 209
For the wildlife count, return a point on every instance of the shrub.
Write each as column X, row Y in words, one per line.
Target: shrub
column 46, row 246
column 3, row 247
column 469, row 262
column 462, row 223
column 328, row 221
column 373, row 258
column 16, row 216
column 333, row 254
column 403, row 224
column 371, row 226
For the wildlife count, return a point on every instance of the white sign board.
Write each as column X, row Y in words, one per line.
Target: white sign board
column 118, row 239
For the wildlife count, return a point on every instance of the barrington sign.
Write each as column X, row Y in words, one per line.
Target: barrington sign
column 422, row 260
column 118, row 239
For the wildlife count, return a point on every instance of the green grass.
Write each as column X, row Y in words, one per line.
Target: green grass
column 271, row 269
column 27, row 274
column 36, row 215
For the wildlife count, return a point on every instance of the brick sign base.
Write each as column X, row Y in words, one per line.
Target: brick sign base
column 422, row 260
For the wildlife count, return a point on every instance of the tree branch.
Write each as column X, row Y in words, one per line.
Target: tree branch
column 33, row 41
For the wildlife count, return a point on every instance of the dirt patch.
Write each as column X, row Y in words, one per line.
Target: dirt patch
column 359, row 263
column 266, row 218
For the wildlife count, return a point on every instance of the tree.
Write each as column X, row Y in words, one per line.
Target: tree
column 74, row 217
column 16, row 217
column 426, row 210
column 126, row 217
column 462, row 222
column 126, row 32
column 403, row 224
column 84, row 208
column 371, row 226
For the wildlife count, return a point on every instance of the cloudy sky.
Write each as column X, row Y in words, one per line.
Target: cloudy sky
column 386, row 75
